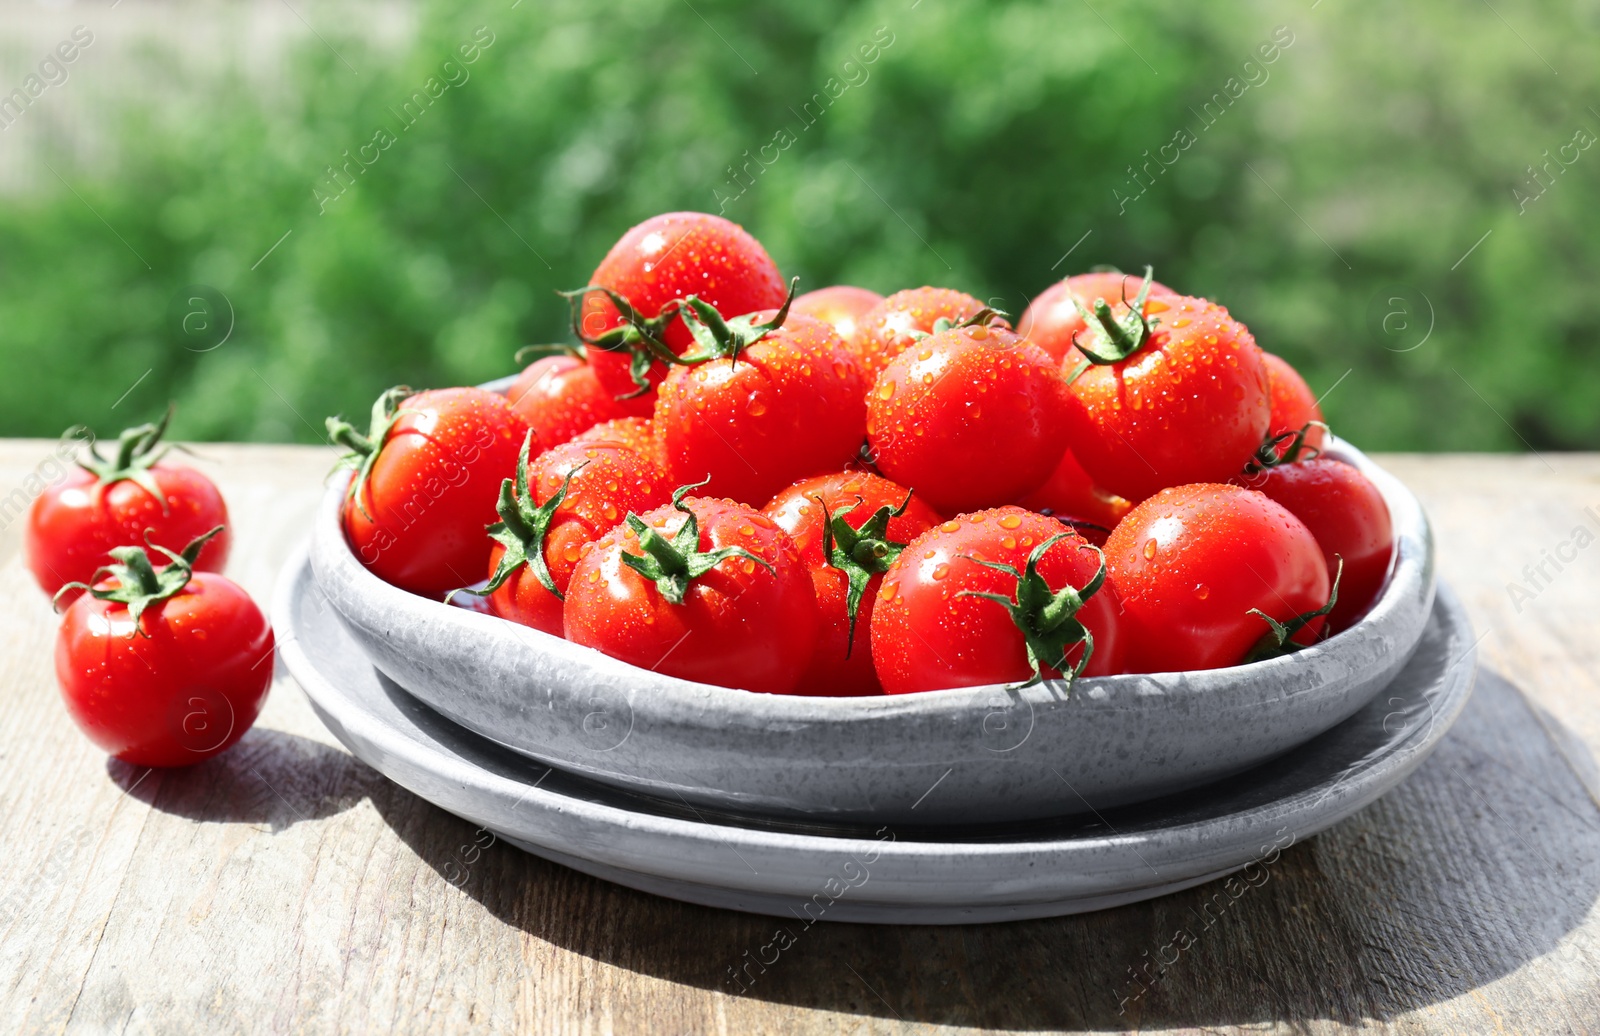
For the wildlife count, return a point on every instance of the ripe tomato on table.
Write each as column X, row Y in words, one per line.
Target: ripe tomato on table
column 555, row 507
column 970, row 417
column 658, row 262
column 1054, row 319
column 560, row 397
column 779, row 397
column 997, row 596
column 886, row 329
column 703, row 589
column 849, row 527
column 163, row 667
column 841, row 307
column 108, row 502
column 1193, row 564
column 1168, row 391
column 427, row 478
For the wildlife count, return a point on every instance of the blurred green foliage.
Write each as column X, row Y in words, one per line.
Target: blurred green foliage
column 981, row 143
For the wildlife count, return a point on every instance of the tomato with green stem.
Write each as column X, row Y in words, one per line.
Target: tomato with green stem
column 1055, row 319
column 107, row 502
column 1293, row 406
column 163, row 667
column 427, row 478
column 627, row 315
column 887, row 329
column 702, row 589
column 997, row 596
column 1206, row 573
column 849, row 527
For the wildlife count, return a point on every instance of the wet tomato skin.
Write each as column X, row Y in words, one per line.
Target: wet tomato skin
column 1349, row 518
column 665, row 258
column 885, row 330
column 1069, row 492
column 433, row 490
column 740, row 625
column 72, row 524
column 1189, row 563
column 561, row 397
column 608, row 481
column 839, row 668
column 841, row 307
column 972, row 417
column 635, row 433
column 1293, row 405
column 926, row 636
column 186, row 692
column 1051, row 320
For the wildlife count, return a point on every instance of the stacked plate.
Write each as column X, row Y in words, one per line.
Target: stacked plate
column 954, row 806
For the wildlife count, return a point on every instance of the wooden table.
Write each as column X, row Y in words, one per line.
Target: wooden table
column 286, row 887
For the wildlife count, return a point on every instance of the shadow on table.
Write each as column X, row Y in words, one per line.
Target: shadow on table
column 269, row 777
column 1480, row 862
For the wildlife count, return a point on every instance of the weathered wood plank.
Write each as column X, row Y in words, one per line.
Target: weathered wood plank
column 286, row 887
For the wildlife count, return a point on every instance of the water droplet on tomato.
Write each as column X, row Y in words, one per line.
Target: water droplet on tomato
column 886, row 388
column 1202, row 591
column 941, row 570
column 1149, row 549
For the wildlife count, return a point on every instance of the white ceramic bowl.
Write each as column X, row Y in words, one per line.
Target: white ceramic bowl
column 955, row 756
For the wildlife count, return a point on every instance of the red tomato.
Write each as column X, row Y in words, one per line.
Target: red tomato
column 661, row 260
column 1293, row 405
column 551, row 512
column 636, row 433
column 1070, row 493
column 788, row 406
column 971, row 417
column 559, row 397
column 934, row 625
column 885, row 330
column 1186, row 402
column 1052, row 320
column 1347, row 515
column 842, row 307
column 164, row 667
column 862, row 551
column 727, row 599
column 106, row 503
column 1189, row 565
column 427, row 478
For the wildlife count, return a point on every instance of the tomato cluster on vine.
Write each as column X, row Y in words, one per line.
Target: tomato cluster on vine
column 847, row 494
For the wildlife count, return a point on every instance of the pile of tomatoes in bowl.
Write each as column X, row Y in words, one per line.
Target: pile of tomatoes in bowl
column 845, row 494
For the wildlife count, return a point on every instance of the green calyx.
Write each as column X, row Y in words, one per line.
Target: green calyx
column 528, row 353
column 726, row 339
column 639, row 336
column 860, row 553
column 982, row 318
column 1278, row 639
column 673, row 564
column 138, row 450
column 1294, row 449
column 522, row 528
column 364, row 449
column 139, row 583
column 1047, row 618
column 1109, row 338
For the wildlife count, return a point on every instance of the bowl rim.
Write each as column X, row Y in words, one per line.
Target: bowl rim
column 1408, row 588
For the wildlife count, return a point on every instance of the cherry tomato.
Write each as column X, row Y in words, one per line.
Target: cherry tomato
column 842, row 307
column 935, row 624
column 661, row 260
column 723, row 598
column 427, row 478
column 758, row 417
column 1175, row 396
column 886, row 329
column 1190, row 563
column 1347, row 515
column 164, row 667
column 878, row 519
column 636, row 433
column 1293, row 405
column 1070, row 493
column 1052, row 320
column 971, row 417
column 559, row 397
column 551, row 512
column 106, row 503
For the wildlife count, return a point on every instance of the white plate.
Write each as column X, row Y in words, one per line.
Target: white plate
column 889, row 872
column 1117, row 739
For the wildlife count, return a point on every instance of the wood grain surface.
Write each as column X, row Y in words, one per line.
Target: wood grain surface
column 286, row 887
